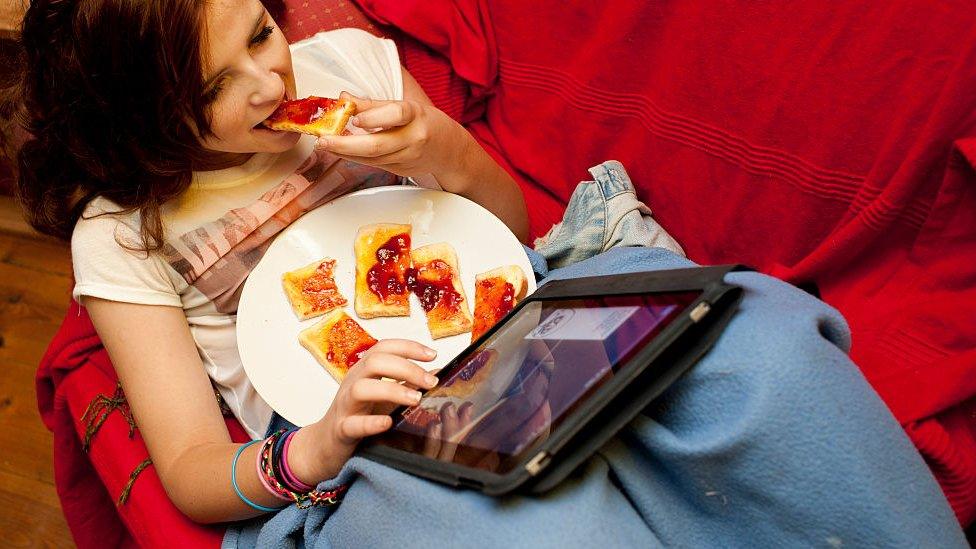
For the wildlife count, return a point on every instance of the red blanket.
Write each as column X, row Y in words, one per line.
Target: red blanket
column 828, row 144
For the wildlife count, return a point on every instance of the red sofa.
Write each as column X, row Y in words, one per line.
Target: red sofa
column 829, row 146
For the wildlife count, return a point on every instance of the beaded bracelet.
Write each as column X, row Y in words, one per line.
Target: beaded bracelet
column 233, row 480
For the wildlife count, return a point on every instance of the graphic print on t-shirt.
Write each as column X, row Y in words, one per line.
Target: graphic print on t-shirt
column 217, row 257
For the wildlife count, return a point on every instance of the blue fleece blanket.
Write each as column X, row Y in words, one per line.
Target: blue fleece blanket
column 773, row 440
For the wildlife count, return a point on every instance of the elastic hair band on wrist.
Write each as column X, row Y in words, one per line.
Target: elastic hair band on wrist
column 233, row 480
column 290, row 477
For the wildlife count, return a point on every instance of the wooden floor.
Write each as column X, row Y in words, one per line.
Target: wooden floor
column 34, row 289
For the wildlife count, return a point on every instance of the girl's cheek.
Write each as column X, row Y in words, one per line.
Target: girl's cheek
column 228, row 114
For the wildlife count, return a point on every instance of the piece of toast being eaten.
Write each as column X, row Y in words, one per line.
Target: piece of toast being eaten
column 337, row 341
column 382, row 260
column 312, row 289
column 313, row 115
column 496, row 293
column 435, row 279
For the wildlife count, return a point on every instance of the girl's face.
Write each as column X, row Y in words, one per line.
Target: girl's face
column 248, row 73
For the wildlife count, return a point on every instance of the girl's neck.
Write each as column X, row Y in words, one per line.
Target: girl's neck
column 220, row 161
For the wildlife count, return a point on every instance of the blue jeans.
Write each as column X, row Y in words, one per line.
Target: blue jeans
column 602, row 214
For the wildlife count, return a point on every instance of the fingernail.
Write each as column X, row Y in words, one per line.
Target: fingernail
column 431, row 380
column 414, row 396
column 354, row 120
column 323, row 143
column 430, row 352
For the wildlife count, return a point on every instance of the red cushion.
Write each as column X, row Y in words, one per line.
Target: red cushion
column 75, row 373
column 148, row 515
column 299, row 19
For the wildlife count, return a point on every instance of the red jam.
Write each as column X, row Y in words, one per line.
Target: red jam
column 320, row 290
column 494, row 298
column 303, row 111
column 386, row 277
column 470, row 369
column 349, row 342
column 434, row 285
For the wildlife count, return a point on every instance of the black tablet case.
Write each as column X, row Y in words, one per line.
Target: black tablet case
column 666, row 361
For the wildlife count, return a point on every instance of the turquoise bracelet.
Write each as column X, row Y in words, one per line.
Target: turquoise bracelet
column 233, row 480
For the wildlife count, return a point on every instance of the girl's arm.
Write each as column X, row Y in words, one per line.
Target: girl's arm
column 174, row 406
column 418, row 139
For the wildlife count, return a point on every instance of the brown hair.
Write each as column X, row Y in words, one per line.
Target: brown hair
column 114, row 104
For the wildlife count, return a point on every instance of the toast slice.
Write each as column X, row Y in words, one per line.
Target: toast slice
column 312, row 289
column 496, row 293
column 382, row 260
column 313, row 115
column 337, row 342
column 435, row 279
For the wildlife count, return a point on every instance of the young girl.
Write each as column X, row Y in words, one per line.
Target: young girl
column 148, row 152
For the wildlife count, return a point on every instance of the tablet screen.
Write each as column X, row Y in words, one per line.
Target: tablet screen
column 510, row 392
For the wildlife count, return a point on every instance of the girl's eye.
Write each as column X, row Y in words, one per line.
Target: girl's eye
column 213, row 93
column 263, row 35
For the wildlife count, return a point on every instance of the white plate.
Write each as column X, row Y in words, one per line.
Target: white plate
column 284, row 373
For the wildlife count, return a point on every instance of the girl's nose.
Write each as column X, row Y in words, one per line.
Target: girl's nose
column 270, row 87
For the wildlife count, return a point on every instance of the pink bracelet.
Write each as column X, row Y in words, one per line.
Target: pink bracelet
column 290, row 477
column 264, row 479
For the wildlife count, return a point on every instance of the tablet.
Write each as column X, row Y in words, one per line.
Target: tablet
column 556, row 377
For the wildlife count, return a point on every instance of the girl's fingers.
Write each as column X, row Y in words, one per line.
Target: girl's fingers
column 378, row 364
column 362, row 103
column 399, row 369
column 353, row 428
column 369, row 146
column 370, row 391
column 374, row 113
column 403, row 348
column 385, row 115
column 393, row 162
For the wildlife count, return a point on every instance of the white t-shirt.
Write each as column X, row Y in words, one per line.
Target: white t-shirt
column 218, row 230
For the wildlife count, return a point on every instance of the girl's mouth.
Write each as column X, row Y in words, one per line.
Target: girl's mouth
column 260, row 125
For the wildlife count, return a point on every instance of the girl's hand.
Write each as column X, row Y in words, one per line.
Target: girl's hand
column 364, row 399
column 407, row 138
column 360, row 407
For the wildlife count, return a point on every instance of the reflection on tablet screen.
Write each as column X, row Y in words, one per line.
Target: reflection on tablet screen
column 529, row 376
